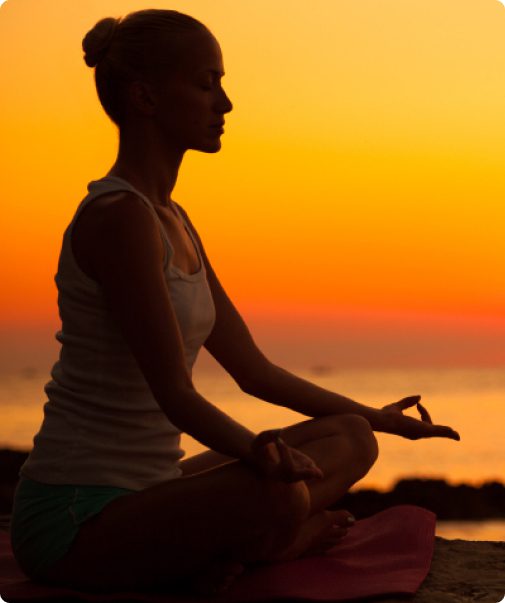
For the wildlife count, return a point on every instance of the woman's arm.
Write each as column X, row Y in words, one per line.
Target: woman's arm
column 230, row 341
column 127, row 259
column 232, row 345
column 285, row 389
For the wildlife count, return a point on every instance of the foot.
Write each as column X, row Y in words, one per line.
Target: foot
column 216, row 578
column 319, row 533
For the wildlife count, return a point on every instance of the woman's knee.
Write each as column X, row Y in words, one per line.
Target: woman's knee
column 348, row 425
column 357, row 432
column 358, row 429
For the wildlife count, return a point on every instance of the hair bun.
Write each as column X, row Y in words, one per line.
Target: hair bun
column 97, row 41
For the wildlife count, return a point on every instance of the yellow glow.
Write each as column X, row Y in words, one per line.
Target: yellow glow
column 362, row 166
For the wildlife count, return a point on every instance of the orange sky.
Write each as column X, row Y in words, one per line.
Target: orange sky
column 359, row 189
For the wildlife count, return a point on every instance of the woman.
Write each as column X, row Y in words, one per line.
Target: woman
column 104, row 501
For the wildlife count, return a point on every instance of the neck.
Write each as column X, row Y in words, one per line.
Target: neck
column 148, row 166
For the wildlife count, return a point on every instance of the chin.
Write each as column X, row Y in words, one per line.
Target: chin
column 210, row 147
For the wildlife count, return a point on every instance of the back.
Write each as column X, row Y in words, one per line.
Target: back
column 102, row 424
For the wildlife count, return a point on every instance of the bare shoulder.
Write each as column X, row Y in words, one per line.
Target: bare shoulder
column 106, row 222
column 99, row 210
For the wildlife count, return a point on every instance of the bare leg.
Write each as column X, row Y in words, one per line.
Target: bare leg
column 319, row 532
column 324, row 527
column 204, row 461
column 178, row 528
column 343, row 446
column 352, row 439
column 345, row 457
column 355, row 435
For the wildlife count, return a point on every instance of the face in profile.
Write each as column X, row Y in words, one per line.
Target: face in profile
column 191, row 103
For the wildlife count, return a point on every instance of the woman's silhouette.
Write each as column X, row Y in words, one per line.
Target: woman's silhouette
column 104, row 501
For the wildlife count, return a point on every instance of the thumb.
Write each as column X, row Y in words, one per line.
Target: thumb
column 270, row 452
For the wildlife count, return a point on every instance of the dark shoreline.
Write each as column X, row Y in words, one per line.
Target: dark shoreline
column 462, row 502
column 448, row 502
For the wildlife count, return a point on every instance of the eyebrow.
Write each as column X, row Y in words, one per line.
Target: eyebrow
column 216, row 72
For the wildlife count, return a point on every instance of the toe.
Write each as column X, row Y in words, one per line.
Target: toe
column 235, row 568
column 342, row 518
column 217, row 577
column 230, row 571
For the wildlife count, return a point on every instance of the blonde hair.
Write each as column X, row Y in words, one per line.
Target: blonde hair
column 134, row 47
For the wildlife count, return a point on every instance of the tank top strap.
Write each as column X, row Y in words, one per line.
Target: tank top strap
column 112, row 184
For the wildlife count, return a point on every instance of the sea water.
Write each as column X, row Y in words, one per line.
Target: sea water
column 471, row 401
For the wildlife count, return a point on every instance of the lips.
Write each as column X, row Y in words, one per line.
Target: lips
column 218, row 128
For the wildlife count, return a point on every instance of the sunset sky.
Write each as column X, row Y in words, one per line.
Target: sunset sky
column 356, row 210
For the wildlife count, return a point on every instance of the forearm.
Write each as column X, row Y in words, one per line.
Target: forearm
column 196, row 416
column 281, row 387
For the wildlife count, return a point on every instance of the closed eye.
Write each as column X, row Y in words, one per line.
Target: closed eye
column 216, row 77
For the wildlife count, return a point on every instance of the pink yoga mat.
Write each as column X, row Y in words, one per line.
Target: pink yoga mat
column 388, row 553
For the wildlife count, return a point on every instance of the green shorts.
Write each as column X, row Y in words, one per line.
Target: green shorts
column 46, row 519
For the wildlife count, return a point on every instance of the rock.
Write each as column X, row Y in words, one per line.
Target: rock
column 445, row 500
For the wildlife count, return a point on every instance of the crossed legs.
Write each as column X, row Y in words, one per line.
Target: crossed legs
column 218, row 510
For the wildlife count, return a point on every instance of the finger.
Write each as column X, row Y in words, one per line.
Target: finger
column 407, row 402
column 305, row 462
column 425, row 416
column 284, row 453
column 265, row 437
column 403, row 403
column 289, row 467
column 443, row 431
column 269, row 452
column 316, row 472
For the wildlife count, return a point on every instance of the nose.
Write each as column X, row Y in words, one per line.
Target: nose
column 226, row 104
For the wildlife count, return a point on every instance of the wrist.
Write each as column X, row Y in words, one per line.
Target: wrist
column 246, row 451
column 386, row 421
column 265, row 437
column 261, row 452
column 379, row 420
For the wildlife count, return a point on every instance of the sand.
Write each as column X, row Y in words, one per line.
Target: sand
column 462, row 571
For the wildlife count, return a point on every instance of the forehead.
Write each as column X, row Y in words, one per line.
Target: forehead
column 203, row 54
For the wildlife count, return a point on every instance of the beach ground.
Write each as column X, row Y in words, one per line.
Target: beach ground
column 461, row 571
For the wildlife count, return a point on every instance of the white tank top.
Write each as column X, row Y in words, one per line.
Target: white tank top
column 102, row 424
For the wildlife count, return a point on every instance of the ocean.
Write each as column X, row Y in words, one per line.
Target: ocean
column 471, row 401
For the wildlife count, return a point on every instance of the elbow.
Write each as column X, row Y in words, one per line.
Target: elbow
column 174, row 403
column 258, row 383
column 247, row 387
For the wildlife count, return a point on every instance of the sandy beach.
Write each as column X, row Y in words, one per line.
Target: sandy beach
column 462, row 571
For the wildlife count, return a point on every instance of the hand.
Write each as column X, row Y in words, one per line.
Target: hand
column 276, row 460
column 411, row 428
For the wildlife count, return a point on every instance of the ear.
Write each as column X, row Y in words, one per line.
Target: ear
column 142, row 96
